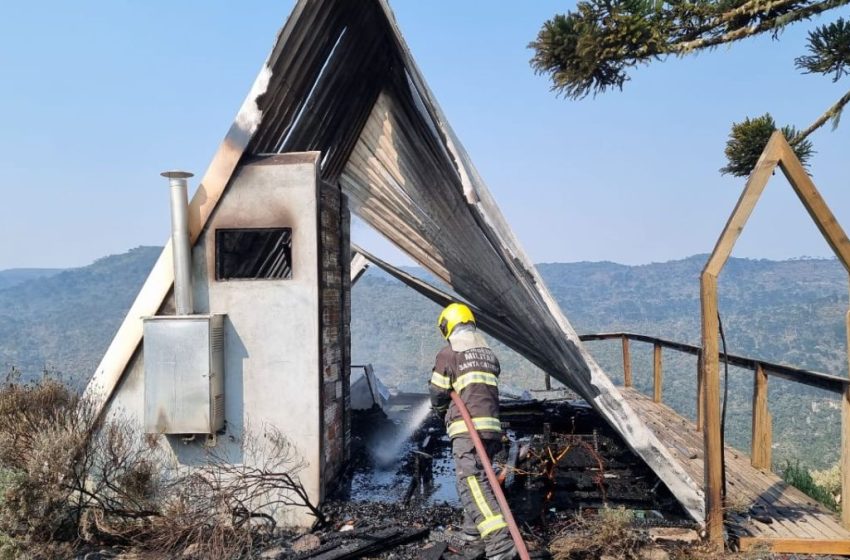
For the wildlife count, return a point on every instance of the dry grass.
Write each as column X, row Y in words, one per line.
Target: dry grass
column 609, row 533
column 68, row 481
column 737, row 504
column 830, row 481
column 704, row 551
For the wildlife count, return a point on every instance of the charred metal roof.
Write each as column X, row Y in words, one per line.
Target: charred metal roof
column 340, row 80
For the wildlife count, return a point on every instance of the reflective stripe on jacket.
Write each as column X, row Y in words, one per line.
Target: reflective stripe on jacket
column 473, row 373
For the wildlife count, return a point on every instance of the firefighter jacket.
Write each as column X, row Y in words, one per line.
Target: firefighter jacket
column 470, row 368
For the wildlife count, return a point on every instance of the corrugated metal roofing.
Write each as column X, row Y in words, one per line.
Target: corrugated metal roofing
column 341, row 81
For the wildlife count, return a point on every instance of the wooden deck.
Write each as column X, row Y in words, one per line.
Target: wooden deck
column 791, row 521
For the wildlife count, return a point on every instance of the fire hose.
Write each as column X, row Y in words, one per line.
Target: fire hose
column 491, row 476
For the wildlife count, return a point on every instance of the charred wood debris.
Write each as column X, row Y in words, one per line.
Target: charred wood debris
column 559, row 460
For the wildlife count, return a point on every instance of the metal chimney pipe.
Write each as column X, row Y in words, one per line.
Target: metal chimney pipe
column 181, row 246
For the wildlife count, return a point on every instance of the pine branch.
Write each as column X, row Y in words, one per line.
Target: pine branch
column 829, row 50
column 832, row 113
column 750, row 8
column 777, row 22
column 593, row 48
column 753, row 7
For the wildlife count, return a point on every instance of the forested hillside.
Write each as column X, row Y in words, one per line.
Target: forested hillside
column 64, row 321
column 15, row 276
column 789, row 311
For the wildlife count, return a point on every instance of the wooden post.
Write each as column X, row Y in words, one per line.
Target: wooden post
column 627, row 363
column 845, row 439
column 711, row 398
column 700, row 392
column 777, row 152
column 548, row 382
column 656, row 373
column 760, row 457
column 845, row 457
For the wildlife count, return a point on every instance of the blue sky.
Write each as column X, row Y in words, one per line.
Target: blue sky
column 98, row 97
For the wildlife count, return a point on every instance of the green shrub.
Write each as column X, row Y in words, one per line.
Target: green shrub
column 799, row 476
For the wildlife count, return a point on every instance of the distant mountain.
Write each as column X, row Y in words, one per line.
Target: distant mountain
column 782, row 311
column 65, row 321
column 15, row 276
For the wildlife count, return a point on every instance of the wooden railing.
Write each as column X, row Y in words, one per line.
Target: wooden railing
column 762, row 370
column 826, row 381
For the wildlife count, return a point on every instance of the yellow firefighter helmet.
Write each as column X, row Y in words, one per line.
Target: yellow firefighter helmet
column 453, row 315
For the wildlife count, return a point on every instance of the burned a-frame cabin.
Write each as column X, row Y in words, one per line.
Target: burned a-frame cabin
column 339, row 118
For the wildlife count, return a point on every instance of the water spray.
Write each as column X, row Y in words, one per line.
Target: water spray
column 386, row 453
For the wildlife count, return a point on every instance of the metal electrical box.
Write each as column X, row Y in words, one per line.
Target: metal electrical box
column 184, row 374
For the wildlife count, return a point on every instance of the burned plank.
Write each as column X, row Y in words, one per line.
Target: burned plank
column 357, row 544
column 434, row 552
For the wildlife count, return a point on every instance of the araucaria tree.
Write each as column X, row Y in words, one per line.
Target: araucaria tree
column 591, row 50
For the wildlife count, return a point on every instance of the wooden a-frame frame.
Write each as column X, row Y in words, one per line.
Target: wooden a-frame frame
column 777, row 153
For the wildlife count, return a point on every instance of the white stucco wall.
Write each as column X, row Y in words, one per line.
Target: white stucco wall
column 272, row 346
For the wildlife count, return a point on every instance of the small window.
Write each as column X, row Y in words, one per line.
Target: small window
column 253, row 254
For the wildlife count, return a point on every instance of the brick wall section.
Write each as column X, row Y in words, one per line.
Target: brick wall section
column 335, row 336
column 345, row 262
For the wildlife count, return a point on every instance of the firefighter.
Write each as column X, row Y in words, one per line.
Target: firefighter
column 469, row 367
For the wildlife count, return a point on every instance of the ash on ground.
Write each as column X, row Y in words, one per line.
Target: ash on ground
column 576, row 491
column 558, row 459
